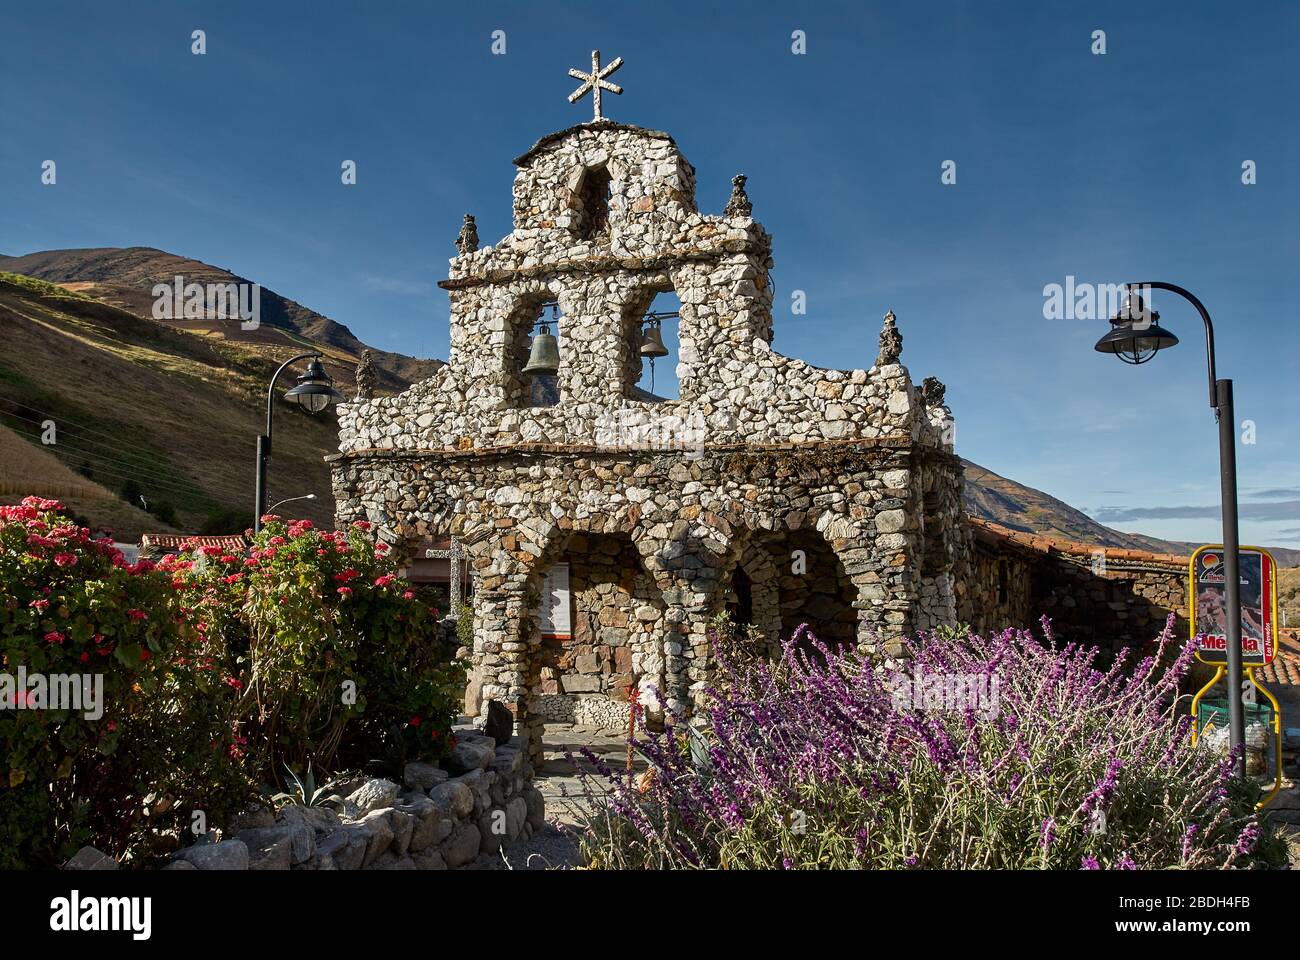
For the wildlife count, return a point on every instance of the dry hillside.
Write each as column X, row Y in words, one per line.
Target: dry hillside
column 137, row 403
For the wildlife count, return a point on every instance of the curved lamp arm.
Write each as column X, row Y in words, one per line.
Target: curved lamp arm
column 270, row 390
column 1205, row 315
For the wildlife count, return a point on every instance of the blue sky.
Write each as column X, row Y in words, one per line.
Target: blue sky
column 1107, row 168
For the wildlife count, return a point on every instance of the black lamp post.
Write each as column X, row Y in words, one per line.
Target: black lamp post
column 314, row 392
column 1135, row 338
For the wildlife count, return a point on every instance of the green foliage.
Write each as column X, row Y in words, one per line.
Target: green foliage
column 304, row 792
column 71, row 607
column 216, row 670
column 333, row 655
column 464, row 615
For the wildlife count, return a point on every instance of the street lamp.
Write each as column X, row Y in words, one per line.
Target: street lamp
column 306, row 496
column 1135, row 338
column 314, row 392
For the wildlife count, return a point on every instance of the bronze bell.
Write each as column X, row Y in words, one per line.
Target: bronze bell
column 653, row 344
column 544, row 357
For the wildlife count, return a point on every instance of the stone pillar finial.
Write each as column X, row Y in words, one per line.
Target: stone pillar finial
column 891, row 342
column 738, row 205
column 365, row 376
column 467, row 242
column 932, row 391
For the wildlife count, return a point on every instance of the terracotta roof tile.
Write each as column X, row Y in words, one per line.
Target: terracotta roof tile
column 180, row 541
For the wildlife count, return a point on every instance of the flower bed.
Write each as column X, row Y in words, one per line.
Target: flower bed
column 145, row 704
column 1003, row 752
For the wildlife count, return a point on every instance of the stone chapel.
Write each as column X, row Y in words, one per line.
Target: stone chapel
column 603, row 527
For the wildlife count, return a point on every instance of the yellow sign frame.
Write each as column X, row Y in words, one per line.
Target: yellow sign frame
column 1219, row 673
column 1272, row 601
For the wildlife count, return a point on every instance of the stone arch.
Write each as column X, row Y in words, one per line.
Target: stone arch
column 812, row 583
column 618, row 616
column 525, row 309
column 749, row 560
column 646, row 293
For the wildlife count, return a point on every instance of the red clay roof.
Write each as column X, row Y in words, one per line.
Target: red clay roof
column 235, row 543
column 1285, row 667
column 996, row 532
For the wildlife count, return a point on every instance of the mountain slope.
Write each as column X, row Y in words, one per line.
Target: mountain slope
column 993, row 497
column 168, row 413
column 125, row 277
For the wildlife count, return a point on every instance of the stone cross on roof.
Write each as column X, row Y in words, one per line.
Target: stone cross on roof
column 595, row 82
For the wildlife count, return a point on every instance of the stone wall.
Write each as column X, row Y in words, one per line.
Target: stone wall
column 1098, row 596
column 481, row 799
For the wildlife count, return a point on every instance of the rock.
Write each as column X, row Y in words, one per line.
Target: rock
column 180, row 865
column 301, row 838
column 536, row 804
column 391, row 861
column 516, row 816
column 462, row 846
column 500, row 722
column 226, row 855
column 381, row 835
column 574, row 683
column 373, row 795
column 453, row 798
column 445, row 827
column 275, row 855
column 252, row 817
column 403, row 825
column 508, row 761
column 421, row 776
column 345, row 847
column 492, row 830
column 88, row 858
column 470, row 755
column 317, row 818
column 429, row 860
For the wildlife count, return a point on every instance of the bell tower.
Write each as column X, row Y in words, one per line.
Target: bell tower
column 605, row 218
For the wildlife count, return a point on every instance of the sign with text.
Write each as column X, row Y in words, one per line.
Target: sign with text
column 555, row 618
column 1207, row 592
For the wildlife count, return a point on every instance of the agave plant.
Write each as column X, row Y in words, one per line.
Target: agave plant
column 303, row 791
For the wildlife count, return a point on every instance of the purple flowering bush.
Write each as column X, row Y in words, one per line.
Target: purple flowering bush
column 1004, row 752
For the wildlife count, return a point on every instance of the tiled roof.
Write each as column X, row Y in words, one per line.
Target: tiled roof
column 992, row 532
column 234, row 543
column 1285, row 667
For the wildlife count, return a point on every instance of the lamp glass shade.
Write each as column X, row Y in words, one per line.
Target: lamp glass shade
column 315, row 391
column 1135, row 342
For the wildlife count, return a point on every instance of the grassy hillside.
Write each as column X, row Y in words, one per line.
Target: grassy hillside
column 993, row 497
column 172, row 414
column 28, row 470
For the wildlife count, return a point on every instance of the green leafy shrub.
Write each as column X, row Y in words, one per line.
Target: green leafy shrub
column 150, row 750
column 334, row 657
column 217, row 671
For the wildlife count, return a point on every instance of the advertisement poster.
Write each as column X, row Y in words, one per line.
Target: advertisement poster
column 1208, row 612
column 556, row 622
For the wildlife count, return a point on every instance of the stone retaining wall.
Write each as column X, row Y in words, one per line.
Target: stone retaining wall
column 437, row 819
column 1099, row 596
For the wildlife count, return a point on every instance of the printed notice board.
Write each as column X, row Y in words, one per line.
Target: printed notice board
column 556, row 621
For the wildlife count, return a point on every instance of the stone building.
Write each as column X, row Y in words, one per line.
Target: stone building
column 780, row 492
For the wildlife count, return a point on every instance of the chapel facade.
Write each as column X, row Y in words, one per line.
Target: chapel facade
column 769, row 489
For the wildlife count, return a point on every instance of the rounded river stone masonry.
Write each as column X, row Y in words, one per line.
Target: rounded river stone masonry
column 480, row 800
column 771, row 489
